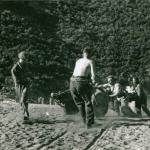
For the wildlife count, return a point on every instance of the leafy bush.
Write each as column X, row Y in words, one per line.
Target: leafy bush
column 54, row 32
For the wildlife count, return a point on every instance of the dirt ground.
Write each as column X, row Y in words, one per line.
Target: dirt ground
column 51, row 129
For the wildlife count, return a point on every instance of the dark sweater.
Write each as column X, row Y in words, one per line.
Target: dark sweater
column 21, row 73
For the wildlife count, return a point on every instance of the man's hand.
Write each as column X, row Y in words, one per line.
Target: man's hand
column 99, row 86
column 93, row 82
column 15, row 85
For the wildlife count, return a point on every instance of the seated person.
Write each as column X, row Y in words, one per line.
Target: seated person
column 115, row 91
column 110, row 88
column 120, row 97
column 137, row 94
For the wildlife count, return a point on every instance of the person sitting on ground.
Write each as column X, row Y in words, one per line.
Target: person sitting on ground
column 19, row 75
column 80, row 87
column 121, row 99
column 139, row 96
column 132, row 96
column 109, row 88
column 119, row 96
column 116, row 91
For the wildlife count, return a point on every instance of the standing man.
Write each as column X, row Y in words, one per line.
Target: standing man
column 81, row 89
column 19, row 75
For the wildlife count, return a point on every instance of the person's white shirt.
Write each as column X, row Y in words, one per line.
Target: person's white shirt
column 130, row 89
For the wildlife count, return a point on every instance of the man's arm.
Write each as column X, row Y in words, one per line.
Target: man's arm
column 116, row 92
column 138, row 90
column 103, row 85
column 93, row 72
column 13, row 74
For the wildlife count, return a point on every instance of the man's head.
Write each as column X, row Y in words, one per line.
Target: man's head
column 21, row 56
column 110, row 79
column 135, row 80
column 87, row 52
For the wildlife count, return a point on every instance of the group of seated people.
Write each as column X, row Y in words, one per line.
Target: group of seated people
column 126, row 96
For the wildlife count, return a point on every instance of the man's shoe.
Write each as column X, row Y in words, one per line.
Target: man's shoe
column 25, row 118
column 88, row 126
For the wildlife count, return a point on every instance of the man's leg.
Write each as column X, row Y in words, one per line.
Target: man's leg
column 18, row 92
column 126, row 109
column 146, row 110
column 24, row 102
column 86, row 96
column 117, row 106
column 138, row 107
column 89, row 114
column 111, row 104
column 81, row 108
column 78, row 100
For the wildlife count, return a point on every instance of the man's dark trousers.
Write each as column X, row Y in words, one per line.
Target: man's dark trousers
column 22, row 97
column 81, row 92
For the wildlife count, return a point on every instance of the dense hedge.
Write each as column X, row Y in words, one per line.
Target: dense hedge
column 118, row 31
column 54, row 32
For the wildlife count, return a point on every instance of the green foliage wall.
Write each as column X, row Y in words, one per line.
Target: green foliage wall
column 117, row 31
column 54, row 32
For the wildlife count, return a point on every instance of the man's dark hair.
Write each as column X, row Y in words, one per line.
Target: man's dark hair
column 122, row 82
column 21, row 55
column 88, row 51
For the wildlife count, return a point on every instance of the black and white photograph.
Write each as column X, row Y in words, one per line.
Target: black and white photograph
column 74, row 74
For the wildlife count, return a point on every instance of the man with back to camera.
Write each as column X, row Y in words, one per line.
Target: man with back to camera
column 80, row 87
column 19, row 75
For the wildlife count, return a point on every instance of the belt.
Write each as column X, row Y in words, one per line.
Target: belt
column 80, row 77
